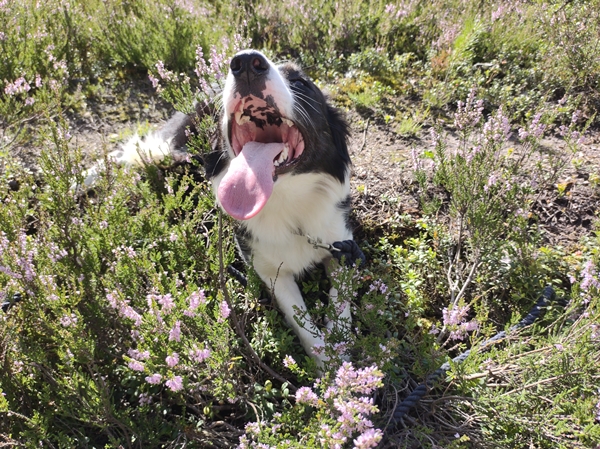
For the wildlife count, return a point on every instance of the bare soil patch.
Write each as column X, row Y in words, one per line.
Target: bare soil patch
column 383, row 185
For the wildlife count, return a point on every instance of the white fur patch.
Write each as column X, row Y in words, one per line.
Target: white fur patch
column 136, row 151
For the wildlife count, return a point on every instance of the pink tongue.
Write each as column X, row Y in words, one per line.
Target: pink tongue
column 248, row 183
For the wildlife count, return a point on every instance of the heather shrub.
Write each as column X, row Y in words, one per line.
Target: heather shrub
column 129, row 332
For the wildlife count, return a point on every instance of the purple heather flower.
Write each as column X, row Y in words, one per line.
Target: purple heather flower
column 175, row 333
column 172, row 360
column 154, row 379
column 166, row 301
column 305, row 395
column 135, row 365
column 470, row 113
column 175, row 384
column 69, row 320
column 194, row 300
column 145, row 399
column 369, row 438
column 199, row 355
column 224, row 310
column 288, row 361
column 140, row 355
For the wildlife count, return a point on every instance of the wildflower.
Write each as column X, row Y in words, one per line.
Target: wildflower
column 589, row 277
column 492, row 180
column 145, row 399
column 368, row 439
column 288, row 361
column 225, row 311
column 318, row 348
column 470, row 113
column 153, row 80
column 69, row 320
column 498, row 13
column 497, row 128
column 18, row 86
column 535, row 127
column 29, row 101
column 135, row 365
column 162, row 72
column 216, row 62
column 166, row 301
column 154, row 379
column 172, row 360
column 175, row 333
column 364, row 380
column 305, row 395
column 194, row 300
column 175, row 384
column 173, row 237
column 455, row 315
column 252, row 428
column 140, row 355
column 199, row 355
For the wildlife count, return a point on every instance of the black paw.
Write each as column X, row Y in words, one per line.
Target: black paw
column 349, row 250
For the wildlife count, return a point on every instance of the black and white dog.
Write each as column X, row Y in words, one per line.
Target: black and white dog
column 281, row 169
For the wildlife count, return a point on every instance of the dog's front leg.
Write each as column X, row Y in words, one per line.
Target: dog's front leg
column 290, row 302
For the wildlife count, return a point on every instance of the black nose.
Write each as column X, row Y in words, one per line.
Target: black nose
column 251, row 62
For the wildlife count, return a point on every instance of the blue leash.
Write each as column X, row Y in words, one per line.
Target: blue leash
column 432, row 380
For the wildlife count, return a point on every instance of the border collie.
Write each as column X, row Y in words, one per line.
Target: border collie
column 281, row 169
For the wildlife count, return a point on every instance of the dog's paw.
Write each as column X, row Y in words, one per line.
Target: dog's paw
column 350, row 252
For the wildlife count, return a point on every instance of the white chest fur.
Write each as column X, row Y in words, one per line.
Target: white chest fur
column 301, row 205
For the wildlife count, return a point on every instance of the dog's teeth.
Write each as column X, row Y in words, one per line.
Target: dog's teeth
column 282, row 156
column 284, row 153
column 288, row 122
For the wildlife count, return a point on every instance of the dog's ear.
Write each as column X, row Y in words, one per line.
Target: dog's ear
column 340, row 131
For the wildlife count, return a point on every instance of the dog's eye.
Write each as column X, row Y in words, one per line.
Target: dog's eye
column 298, row 83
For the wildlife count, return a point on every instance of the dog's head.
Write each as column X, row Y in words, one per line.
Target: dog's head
column 276, row 123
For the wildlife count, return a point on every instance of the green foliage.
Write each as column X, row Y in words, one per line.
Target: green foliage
column 126, row 333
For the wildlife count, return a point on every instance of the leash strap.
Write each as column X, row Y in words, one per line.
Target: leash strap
column 432, row 380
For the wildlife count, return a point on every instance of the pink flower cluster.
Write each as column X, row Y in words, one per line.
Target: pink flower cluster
column 196, row 299
column 348, row 404
column 468, row 114
column 18, row 86
column 165, row 301
column 123, row 308
column 534, row 130
column 20, row 254
column 454, row 319
column 224, row 311
column 216, row 71
column 496, row 129
column 199, row 355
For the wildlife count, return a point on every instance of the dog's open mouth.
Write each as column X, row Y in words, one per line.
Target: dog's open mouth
column 265, row 144
column 255, row 121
